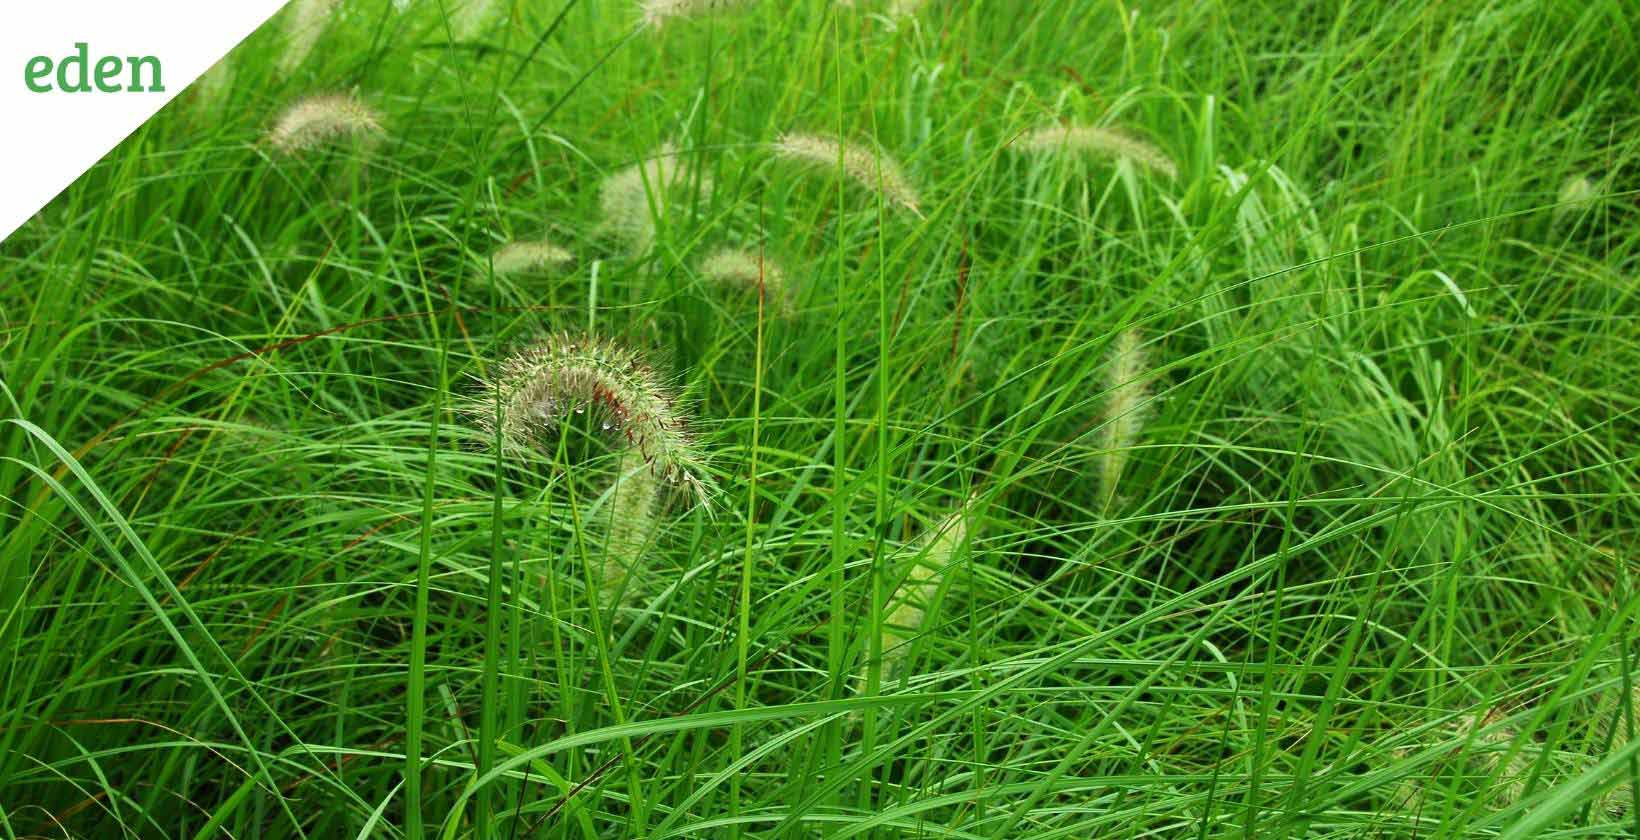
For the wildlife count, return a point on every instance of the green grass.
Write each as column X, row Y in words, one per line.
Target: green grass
column 1368, row 571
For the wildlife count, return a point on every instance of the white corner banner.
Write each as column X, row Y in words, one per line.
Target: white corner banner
column 78, row 76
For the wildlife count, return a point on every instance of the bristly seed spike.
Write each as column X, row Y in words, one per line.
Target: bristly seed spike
column 872, row 170
column 563, row 373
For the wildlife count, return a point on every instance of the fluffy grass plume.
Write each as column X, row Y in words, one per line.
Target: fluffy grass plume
column 1618, row 730
column 1126, row 409
column 626, row 194
column 305, row 23
column 896, row 9
column 214, row 84
column 564, row 373
column 1108, row 142
column 467, row 20
column 323, row 120
column 633, row 508
column 908, row 607
column 745, row 270
column 656, row 13
column 529, row 257
column 874, row 171
column 1492, row 743
column 1576, row 196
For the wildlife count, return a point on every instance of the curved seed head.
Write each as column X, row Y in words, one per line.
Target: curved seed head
column 627, row 195
column 873, row 170
column 569, row 373
column 1108, row 142
column 323, row 120
column 746, row 270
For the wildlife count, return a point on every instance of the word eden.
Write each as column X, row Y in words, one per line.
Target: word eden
column 75, row 74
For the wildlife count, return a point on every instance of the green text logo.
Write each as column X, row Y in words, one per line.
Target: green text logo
column 77, row 74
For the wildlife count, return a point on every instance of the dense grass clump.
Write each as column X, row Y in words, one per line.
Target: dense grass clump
column 1187, row 420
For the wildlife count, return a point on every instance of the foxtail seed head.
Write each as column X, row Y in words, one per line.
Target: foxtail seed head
column 1576, row 195
column 470, row 17
column 657, row 12
column 528, row 257
column 565, row 373
column 1492, row 743
column 909, row 605
column 1109, row 142
column 305, row 23
column 876, row 172
column 322, row 120
column 213, row 85
column 625, row 196
column 634, row 506
column 1126, row 409
column 746, row 270
column 1618, row 730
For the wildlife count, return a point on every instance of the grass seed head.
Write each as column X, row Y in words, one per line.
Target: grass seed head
column 657, row 12
column 322, row 120
column 214, row 84
column 874, row 171
column 1108, row 142
column 467, row 20
column 625, row 196
column 909, row 605
column 1576, row 195
column 1618, row 730
column 634, row 508
column 1493, row 739
column 1127, row 398
column 746, row 270
column 305, row 23
column 566, row 373
column 528, row 257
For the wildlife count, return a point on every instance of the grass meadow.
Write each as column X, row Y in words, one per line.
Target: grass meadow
column 1052, row 419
